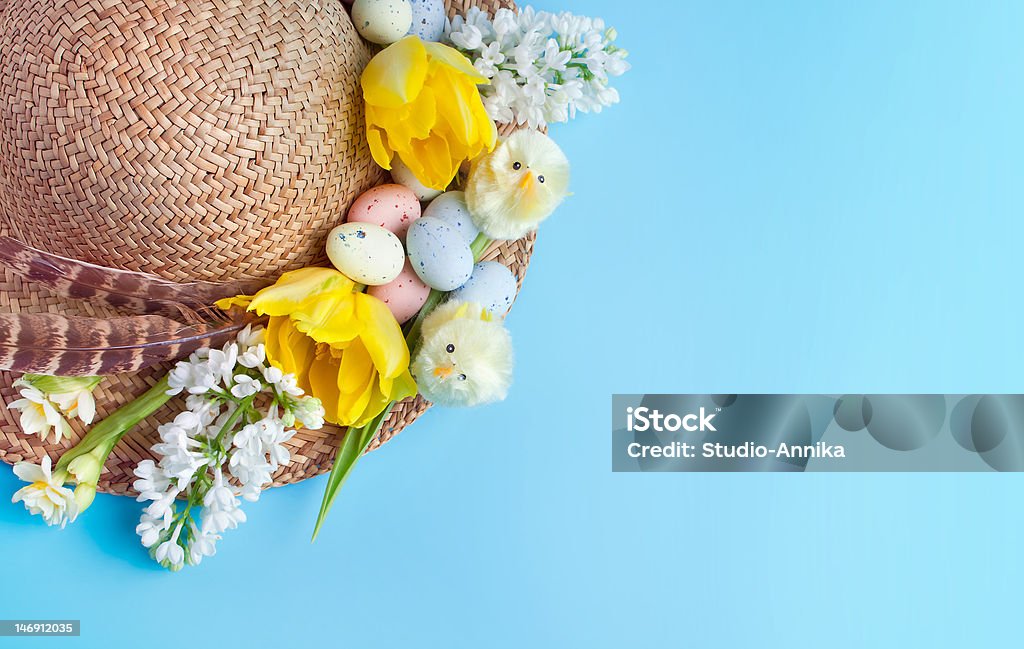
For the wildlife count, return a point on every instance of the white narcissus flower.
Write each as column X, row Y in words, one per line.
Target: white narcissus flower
column 46, row 495
column 39, row 415
column 80, row 404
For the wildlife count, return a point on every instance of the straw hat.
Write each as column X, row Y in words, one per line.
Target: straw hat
column 204, row 140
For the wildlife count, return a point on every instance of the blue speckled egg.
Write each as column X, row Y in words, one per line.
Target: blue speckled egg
column 427, row 19
column 439, row 255
column 451, row 208
column 491, row 285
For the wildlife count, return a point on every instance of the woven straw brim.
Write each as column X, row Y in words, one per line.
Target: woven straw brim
column 312, row 451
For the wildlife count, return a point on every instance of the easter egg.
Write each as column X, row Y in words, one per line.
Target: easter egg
column 491, row 285
column 427, row 19
column 402, row 175
column 439, row 255
column 382, row 21
column 451, row 208
column 365, row 253
column 392, row 207
column 404, row 295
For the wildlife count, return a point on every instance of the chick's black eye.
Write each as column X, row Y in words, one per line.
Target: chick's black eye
column 462, row 377
column 540, row 179
column 517, row 165
column 450, row 348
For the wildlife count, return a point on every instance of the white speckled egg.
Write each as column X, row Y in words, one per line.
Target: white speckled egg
column 427, row 19
column 451, row 208
column 405, row 295
column 393, row 207
column 365, row 253
column 382, row 21
column 439, row 255
column 492, row 285
column 402, row 175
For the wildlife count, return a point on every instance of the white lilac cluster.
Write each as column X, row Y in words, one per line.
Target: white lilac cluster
column 543, row 67
column 224, row 448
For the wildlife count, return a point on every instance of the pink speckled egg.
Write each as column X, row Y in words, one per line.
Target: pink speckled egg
column 404, row 295
column 393, row 207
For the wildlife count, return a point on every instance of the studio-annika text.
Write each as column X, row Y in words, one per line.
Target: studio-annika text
column 647, row 420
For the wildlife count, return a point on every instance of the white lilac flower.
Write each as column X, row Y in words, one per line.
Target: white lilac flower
column 152, row 480
column 239, row 419
column 45, row 494
column 309, row 412
column 254, row 356
column 251, row 337
column 531, row 56
column 151, row 528
column 222, row 362
column 170, row 554
column 203, row 545
column 221, row 511
column 245, row 386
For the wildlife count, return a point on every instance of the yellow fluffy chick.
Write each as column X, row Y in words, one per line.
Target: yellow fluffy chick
column 465, row 358
column 518, row 185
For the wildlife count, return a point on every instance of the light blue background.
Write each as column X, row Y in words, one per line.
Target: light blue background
column 792, row 197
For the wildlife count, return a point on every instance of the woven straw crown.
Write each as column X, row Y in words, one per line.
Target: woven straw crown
column 208, row 139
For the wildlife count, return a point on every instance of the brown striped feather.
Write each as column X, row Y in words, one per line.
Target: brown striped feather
column 40, row 343
column 129, row 291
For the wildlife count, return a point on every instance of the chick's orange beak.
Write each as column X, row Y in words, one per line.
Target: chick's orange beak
column 528, row 181
column 443, row 372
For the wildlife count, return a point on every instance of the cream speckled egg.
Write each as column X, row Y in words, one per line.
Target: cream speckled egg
column 365, row 253
column 393, row 207
column 382, row 21
column 402, row 175
column 405, row 295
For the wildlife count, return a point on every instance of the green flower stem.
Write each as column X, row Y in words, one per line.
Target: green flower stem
column 353, row 445
column 357, row 440
column 106, row 434
column 480, row 246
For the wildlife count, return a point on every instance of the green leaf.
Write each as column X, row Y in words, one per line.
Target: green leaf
column 353, row 445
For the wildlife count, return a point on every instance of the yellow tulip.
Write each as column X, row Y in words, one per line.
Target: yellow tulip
column 343, row 346
column 422, row 104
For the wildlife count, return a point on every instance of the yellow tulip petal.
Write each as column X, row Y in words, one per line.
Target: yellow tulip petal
column 329, row 319
column 455, row 107
column 292, row 290
column 434, row 165
column 323, row 380
column 382, row 155
column 382, row 336
column 289, row 350
column 356, row 366
column 356, row 378
column 395, row 76
column 413, row 121
column 452, row 58
column 228, row 302
column 400, row 388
